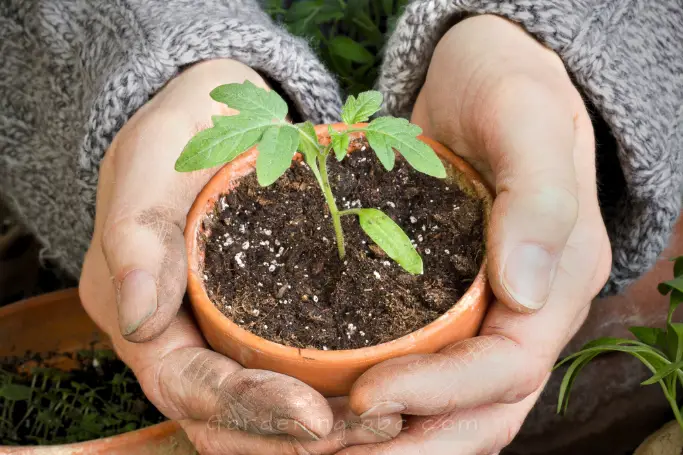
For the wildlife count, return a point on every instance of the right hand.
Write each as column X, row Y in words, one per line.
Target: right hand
column 134, row 279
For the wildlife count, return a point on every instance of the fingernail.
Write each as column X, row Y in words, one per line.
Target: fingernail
column 527, row 275
column 383, row 409
column 296, row 429
column 137, row 300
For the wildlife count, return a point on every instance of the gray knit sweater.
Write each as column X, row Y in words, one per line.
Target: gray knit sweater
column 73, row 71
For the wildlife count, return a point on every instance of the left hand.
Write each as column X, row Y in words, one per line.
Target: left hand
column 506, row 104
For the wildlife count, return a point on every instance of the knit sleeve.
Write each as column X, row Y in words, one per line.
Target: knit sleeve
column 73, row 72
column 626, row 57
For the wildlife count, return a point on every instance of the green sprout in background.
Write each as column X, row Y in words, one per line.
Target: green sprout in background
column 50, row 406
column 660, row 350
column 262, row 120
column 348, row 35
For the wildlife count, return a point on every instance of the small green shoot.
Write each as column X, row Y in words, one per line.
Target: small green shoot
column 262, row 120
column 99, row 399
column 660, row 350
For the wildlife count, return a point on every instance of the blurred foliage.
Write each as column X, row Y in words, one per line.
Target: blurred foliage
column 348, row 35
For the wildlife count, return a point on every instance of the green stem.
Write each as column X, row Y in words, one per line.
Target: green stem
column 349, row 212
column 332, row 204
column 674, row 406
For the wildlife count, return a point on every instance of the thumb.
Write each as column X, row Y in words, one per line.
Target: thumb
column 536, row 207
column 145, row 252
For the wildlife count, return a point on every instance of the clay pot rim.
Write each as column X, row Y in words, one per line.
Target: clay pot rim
column 152, row 432
column 220, row 183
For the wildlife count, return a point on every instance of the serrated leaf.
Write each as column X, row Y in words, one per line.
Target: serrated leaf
column 360, row 109
column 230, row 137
column 390, row 237
column 345, row 47
column 15, row 392
column 386, row 134
column 251, row 101
column 276, row 150
column 648, row 335
column 340, row 144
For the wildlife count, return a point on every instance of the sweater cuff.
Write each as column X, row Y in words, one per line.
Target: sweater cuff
column 149, row 43
column 627, row 59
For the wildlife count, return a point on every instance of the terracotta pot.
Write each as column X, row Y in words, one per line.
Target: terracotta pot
column 56, row 322
column 332, row 373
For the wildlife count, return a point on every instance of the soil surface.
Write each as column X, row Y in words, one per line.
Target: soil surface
column 100, row 398
column 271, row 262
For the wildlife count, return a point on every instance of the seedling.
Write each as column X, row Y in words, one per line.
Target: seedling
column 660, row 350
column 50, row 406
column 262, row 120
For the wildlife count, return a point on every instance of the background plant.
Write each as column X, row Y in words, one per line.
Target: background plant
column 660, row 350
column 261, row 120
column 348, row 35
column 50, row 406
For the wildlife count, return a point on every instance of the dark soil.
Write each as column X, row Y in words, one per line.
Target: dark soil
column 271, row 262
column 99, row 398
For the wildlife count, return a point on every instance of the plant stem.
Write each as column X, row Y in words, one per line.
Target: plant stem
column 332, row 204
column 349, row 212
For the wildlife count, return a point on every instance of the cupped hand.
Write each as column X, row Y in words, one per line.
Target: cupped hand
column 505, row 103
column 134, row 279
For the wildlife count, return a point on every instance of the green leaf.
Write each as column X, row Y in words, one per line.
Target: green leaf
column 569, row 378
column 649, row 335
column 674, row 339
column 230, row 137
column 349, row 49
column 302, row 9
column 667, row 286
column 15, row 392
column 388, row 133
column 276, row 150
column 340, row 143
column 309, row 147
column 675, row 299
column 607, row 344
column 664, row 372
column 360, row 109
column 678, row 266
column 647, row 355
column 390, row 237
column 308, row 142
column 251, row 100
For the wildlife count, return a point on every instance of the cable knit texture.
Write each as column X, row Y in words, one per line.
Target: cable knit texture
column 72, row 72
column 626, row 56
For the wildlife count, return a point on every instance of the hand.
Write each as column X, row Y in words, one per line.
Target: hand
column 134, row 279
column 506, row 104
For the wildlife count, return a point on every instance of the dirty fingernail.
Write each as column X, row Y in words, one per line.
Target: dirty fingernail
column 527, row 275
column 137, row 300
column 383, row 409
column 296, row 429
